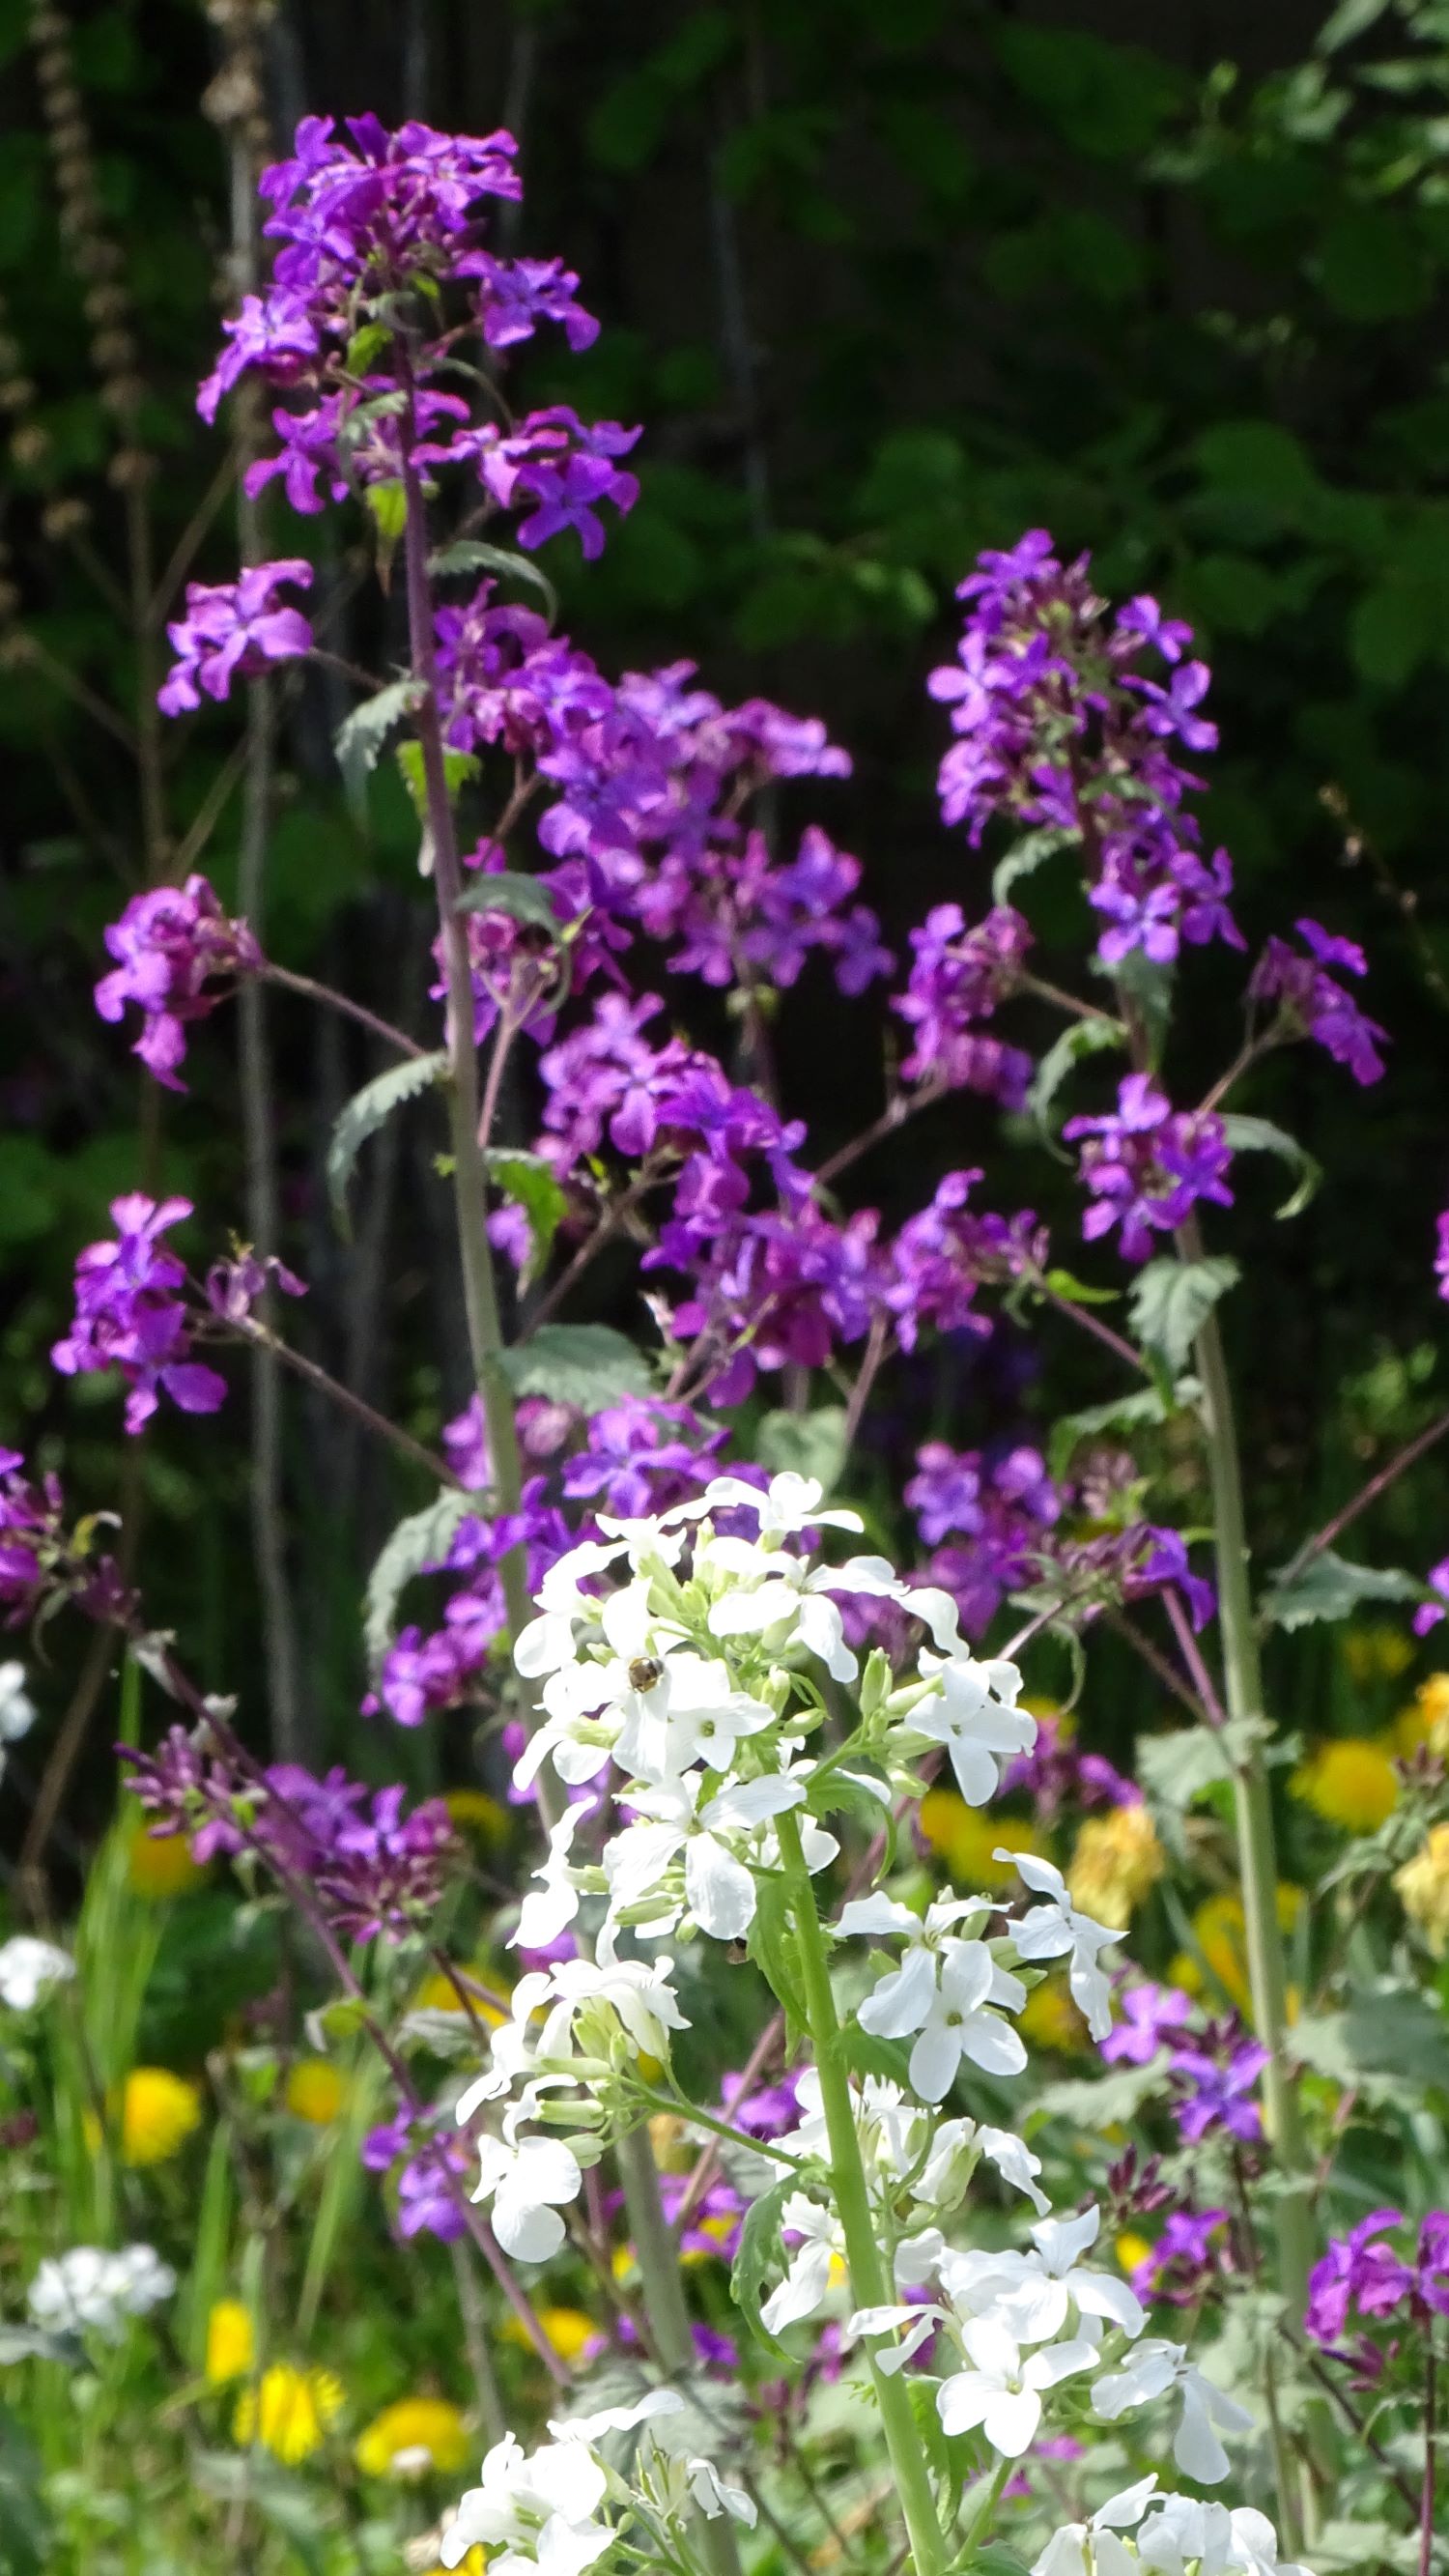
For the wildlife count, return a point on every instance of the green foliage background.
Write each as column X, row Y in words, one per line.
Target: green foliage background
column 884, row 285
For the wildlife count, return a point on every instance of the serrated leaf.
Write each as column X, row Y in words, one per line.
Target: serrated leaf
column 533, row 1185
column 866, row 2054
column 1176, row 1768
column 423, row 1539
column 358, row 743
column 1028, row 855
column 1330, row 1588
column 1388, row 2029
column 369, row 1109
column 387, row 504
column 1146, row 1406
column 1080, row 1040
column 458, row 768
column 469, row 554
column 589, row 1365
column 759, row 2255
column 365, row 345
column 1103, row 2101
column 812, row 1444
column 1260, row 1136
column 506, row 890
column 1171, row 1300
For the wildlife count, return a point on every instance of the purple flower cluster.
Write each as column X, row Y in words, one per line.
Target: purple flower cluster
column 1150, row 2017
column 992, row 1512
column 1430, row 1613
column 422, row 1672
column 957, row 978
column 1058, row 1774
column 373, row 1871
column 1315, row 1003
column 432, row 2166
column 1060, row 727
column 1213, row 2082
column 1364, row 2278
column 1441, row 1253
column 234, row 630
column 1184, row 2263
column 1146, row 1165
column 39, row 1557
column 129, row 1316
column 642, row 1455
column 173, row 947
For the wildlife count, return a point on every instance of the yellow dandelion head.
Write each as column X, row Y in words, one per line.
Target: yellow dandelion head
column 474, row 2562
column 1431, row 1713
column 1131, row 2251
column 315, row 2091
column 478, row 1814
column 1350, row 1782
column 158, row 2113
column 1050, row 2019
column 568, row 2330
column 160, row 1865
column 1423, row 1888
column 231, row 2343
column 412, row 2438
column 289, row 2411
column 1221, row 1929
column 1118, row 1859
column 1376, row 1652
column 966, row 1839
column 439, row 1993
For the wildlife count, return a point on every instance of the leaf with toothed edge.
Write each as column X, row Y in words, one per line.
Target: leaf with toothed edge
column 369, row 1109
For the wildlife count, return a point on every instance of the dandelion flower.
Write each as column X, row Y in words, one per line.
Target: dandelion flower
column 1376, row 1653
column 1423, row 1887
column 315, row 2091
column 1118, row 1859
column 966, row 1839
column 1050, row 2019
column 289, row 2412
column 439, row 1993
column 231, row 2342
column 412, row 2438
column 161, row 1866
column 1426, row 1720
column 158, row 2113
column 1351, row 1783
column 478, row 1814
column 568, row 2330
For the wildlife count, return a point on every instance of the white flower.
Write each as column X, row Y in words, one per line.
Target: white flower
column 940, row 1990
column 1051, row 1931
column 790, row 1504
column 17, row 1708
column 1047, row 2283
column 90, row 2287
column 1150, row 2372
column 1186, row 2531
column 553, row 1899
column 790, row 1605
column 28, row 1970
column 536, row 2511
column 1015, row 2163
column 1001, row 2392
column 617, row 2419
column 528, row 2181
column 974, row 1715
column 1092, row 2548
column 719, row 1886
column 805, row 2284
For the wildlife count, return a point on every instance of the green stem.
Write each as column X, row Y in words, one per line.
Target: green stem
column 1257, row 1853
column 870, row 2284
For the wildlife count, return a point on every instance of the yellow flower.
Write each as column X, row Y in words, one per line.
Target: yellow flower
column 1350, row 1782
column 478, row 1814
column 438, row 1993
column 412, row 2437
column 965, row 1839
column 159, row 2111
column 161, row 1865
column 1050, row 2019
column 1376, row 1653
column 474, row 2564
column 1426, row 1720
column 1223, row 1940
column 1130, row 2251
column 1423, row 1886
column 568, row 2330
column 1117, row 1860
column 231, row 2343
column 290, row 2412
column 315, row 2091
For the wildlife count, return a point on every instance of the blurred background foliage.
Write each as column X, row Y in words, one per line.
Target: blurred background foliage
column 884, row 284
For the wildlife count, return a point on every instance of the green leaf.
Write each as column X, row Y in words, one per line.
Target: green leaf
column 458, row 768
column 1080, row 1040
column 584, row 1364
column 1102, row 2102
column 1330, row 1588
column 534, row 1186
column 506, row 890
column 1029, row 854
column 369, row 1109
column 1372, row 265
column 759, row 2258
column 1350, row 19
column 387, row 505
column 865, row 2054
column 1171, row 1300
column 1135, row 1412
column 811, row 1444
column 469, row 554
column 25, row 2535
column 1260, row 1136
column 359, row 741
column 1386, row 2029
column 1079, row 1292
column 365, row 345
column 421, row 1540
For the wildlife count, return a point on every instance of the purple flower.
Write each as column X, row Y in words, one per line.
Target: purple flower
column 1150, row 2018
column 568, row 496
column 957, row 978
column 1429, row 1613
column 432, row 2165
column 1146, row 1165
column 1184, row 2262
column 631, row 1467
column 1057, row 1774
column 1441, row 1254
column 942, row 1257
column 1357, row 2272
column 996, row 1508
column 129, row 1317
column 1215, row 2085
column 233, row 1287
column 172, row 945
column 234, row 630
column 1316, row 1002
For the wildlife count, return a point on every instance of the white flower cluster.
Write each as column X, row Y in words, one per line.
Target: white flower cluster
column 1177, row 2533
column 17, row 1708
column 29, row 1969
column 548, row 2509
column 89, row 2287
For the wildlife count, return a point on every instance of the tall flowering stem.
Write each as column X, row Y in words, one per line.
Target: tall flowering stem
column 869, row 2283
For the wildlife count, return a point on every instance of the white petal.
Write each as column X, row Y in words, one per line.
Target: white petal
column 1010, row 2421
column 720, row 1890
column 934, row 2059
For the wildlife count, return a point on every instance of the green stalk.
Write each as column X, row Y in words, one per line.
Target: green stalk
column 870, row 2285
